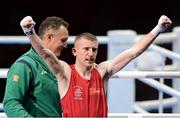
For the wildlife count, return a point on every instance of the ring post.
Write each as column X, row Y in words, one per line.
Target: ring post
column 121, row 92
column 176, row 82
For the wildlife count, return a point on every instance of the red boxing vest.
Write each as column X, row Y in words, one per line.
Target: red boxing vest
column 85, row 98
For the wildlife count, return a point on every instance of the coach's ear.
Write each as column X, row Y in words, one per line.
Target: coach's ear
column 49, row 35
column 74, row 51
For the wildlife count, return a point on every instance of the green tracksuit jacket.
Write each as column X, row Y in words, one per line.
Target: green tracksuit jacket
column 31, row 89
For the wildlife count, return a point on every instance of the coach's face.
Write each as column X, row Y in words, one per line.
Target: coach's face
column 57, row 40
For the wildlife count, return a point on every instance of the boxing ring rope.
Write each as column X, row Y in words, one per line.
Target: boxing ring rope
column 161, row 87
column 165, row 52
column 1, row 107
column 153, row 104
column 164, row 38
column 147, row 74
column 139, row 109
column 14, row 40
column 129, row 74
column 161, row 39
column 24, row 40
column 3, row 72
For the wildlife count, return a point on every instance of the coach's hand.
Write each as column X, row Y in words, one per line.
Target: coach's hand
column 27, row 25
